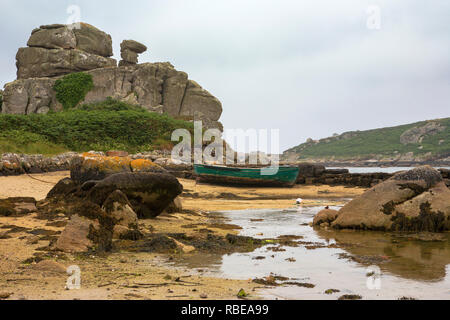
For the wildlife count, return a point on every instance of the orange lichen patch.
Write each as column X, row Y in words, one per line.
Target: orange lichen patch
column 102, row 163
column 143, row 165
column 10, row 165
column 90, row 155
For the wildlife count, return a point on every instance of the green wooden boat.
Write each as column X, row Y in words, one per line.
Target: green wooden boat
column 286, row 176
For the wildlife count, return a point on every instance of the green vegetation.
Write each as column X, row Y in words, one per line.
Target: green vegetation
column 384, row 142
column 72, row 88
column 100, row 126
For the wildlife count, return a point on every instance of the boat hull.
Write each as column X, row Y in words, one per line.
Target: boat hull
column 285, row 177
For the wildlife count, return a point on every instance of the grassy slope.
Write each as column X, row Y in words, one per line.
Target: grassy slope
column 384, row 141
column 100, row 126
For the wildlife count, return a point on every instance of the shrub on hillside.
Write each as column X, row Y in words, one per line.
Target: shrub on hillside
column 99, row 126
column 72, row 88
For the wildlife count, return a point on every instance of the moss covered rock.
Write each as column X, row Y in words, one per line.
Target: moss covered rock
column 415, row 200
column 148, row 193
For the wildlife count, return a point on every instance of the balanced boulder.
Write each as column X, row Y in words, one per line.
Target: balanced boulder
column 129, row 51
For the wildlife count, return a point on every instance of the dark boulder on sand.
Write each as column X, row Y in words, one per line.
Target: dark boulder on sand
column 148, row 193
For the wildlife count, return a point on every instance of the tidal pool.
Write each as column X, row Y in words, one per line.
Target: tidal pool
column 375, row 265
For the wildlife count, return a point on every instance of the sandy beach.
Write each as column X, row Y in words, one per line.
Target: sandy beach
column 128, row 274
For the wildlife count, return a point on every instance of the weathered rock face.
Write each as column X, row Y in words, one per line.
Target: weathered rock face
column 415, row 200
column 56, row 50
column 53, row 37
column 30, row 96
column 416, row 134
column 154, row 86
column 199, row 104
column 59, row 36
column 40, row 62
column 92, row 40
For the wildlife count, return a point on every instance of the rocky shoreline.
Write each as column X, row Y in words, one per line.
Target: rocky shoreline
column 12, row 164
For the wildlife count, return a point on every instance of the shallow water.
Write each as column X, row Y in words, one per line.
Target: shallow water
column 403, row 267
column 377, row 169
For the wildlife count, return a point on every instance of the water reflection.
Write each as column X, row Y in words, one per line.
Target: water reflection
column 405, row 256
column 409, row 267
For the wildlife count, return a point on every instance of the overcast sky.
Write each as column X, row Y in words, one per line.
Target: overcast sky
column 308, row 68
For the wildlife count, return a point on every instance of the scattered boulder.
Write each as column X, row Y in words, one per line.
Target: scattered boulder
column 148, row 193
column 118, row 207
column 75, row 237
column 50, row 266
column 89, row 228
column 414, row 200
column 17, row 206
column 325, row 216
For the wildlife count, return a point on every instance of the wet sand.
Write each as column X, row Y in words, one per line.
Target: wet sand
column 136, row 275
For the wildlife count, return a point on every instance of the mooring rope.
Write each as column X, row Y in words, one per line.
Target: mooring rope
column 30, row 176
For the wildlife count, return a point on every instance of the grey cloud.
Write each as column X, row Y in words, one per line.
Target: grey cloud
column 309, row 68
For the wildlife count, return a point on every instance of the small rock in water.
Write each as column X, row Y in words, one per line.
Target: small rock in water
column 331, row 291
